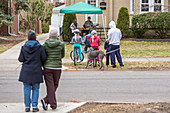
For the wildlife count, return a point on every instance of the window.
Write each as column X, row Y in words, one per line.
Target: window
column 145, row 6
column 92, row 2
column 157, row 6
column 151, row 6
column 131, row 6
column 94, row 17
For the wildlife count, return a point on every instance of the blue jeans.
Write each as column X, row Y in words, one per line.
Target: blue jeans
column 112, row 55
column 27, row 95
column 79, row 50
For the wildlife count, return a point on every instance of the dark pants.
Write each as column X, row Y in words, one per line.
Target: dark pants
column 86, row 47
column 112, row 55
column 52, row 78
column 107, row 59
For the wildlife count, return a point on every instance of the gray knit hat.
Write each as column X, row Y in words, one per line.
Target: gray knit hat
column 31, row 35
column 53, row 33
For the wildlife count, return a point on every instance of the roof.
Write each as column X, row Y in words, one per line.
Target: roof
column 57, row 9
column 81, row 8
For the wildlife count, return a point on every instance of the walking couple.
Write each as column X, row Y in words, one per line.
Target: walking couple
column 34, row 56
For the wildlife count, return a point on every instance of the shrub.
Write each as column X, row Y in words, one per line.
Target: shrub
column 123, row 21
column 158, row 21
column 140, row 25
column 67, row 33
column 45, row 28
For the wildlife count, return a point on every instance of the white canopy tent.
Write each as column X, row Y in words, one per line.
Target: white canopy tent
column 57, row 18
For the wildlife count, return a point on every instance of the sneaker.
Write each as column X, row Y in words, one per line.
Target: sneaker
column 53, row 108
column 121, row 66
column 98, row 63
column 44, row 104
column 114, row 67
column 81, row 63
column 27, row 109
column 35, row 110
column 90, row 64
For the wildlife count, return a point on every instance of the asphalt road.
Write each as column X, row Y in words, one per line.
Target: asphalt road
column 110, row 86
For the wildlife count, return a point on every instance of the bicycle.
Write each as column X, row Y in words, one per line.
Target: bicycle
column 76, row 56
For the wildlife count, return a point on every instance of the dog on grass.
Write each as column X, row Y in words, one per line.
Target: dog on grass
column 91, row 54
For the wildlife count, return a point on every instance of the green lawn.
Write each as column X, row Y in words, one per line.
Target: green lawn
column 68, row 49
column 4, row 48
column 134, row 49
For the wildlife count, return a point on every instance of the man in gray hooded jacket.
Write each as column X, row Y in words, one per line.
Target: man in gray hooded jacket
column 114, row 37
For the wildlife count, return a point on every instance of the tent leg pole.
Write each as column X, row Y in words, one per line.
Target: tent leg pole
column 104, row 26
column 59, row 27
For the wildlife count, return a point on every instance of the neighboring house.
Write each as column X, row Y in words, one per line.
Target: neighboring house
column 111, row 8
column 168, row 5
column 13, row 30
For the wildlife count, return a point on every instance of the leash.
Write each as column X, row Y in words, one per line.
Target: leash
column 112, row 51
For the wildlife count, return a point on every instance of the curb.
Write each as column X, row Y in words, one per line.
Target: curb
column 19, row 107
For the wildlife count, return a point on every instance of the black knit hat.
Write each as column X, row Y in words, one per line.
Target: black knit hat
column 31, row 35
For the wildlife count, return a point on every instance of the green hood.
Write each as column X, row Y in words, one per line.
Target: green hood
column 52, row 43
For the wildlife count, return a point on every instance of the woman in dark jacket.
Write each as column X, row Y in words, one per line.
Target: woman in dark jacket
column 32, row 56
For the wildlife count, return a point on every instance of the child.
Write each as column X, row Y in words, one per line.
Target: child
column 87, row 41
column 95, row 43
column 32, row 56
column 77, row 41
column 106, row 47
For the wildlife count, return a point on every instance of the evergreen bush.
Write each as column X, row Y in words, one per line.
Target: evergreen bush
column 123, row 21
column 160, row 22
column 45, row 28
column 66, row 31
column 157, row 21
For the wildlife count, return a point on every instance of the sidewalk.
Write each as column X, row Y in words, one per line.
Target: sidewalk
column 19, row 108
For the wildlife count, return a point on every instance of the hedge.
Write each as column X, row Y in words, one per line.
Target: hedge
column 123, row 21
column 45, row 28
column 66, row 31
column 157, row 21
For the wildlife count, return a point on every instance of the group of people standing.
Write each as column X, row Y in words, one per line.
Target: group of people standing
column 93, row 41
column 34, row 56
column 90, row 40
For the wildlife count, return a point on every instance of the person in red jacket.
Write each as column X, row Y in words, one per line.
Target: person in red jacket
column 94, row 43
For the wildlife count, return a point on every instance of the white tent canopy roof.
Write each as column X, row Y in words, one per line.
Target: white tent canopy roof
column 57, row 9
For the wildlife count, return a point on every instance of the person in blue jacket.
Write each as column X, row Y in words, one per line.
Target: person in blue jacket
column 32, row 56
column 86, row 40
column 106, row 47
